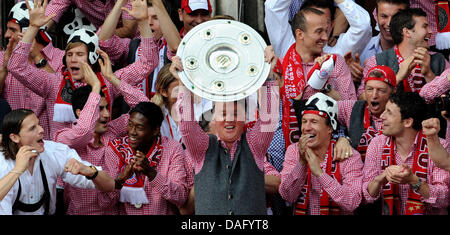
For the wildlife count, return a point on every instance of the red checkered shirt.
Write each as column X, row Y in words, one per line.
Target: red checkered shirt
column 81, row 138
column 95, row 10
column 196, row 140
column 166, row 192
column 19, row 96
column 47, row 85
column 346, row 194
column 345, row 112
column 340, row 79
column 437, row 179
column 372, row 62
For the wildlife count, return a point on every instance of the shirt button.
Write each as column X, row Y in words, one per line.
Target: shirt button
column 230, row 213
column 228, row 167
column 230, row 181
column 230, row 196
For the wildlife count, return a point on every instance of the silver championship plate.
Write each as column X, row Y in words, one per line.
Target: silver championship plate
column 223, row 60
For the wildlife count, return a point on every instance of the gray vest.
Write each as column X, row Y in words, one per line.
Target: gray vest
column 389, row 58
column 356, row 128
column 223, row 187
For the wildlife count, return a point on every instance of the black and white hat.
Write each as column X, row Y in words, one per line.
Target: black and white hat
column 324, row 106
column 89, row 38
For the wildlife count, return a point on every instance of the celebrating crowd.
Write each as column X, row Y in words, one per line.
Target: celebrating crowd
column 345, row 122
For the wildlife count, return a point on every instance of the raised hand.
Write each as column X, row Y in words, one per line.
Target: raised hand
column 138, row 10
column 106, row 68
column 431, row 127
column 175, row 67
column 355, row 66
column 37, row 14
column 23, row 157
column 90, row 77
column 405, row 69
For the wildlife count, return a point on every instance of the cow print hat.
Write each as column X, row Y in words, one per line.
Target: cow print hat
column 19, row 14
column 90, row 39
column 323, row 103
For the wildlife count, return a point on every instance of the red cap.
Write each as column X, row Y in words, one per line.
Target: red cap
column 388, row 77
column 191, row 5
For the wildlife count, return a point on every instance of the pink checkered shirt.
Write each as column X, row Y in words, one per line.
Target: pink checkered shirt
column 47, row 85
column 165, row 193
column 437, row 179
column 19, row 96
column 345, row 112
column 346, row 194
column 340, row 79
column 372, row 62
column 436, row 88
column 197, row 141
column 81, row 138
column 95, row 10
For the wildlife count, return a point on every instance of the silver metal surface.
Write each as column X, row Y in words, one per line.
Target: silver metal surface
column 223, row 60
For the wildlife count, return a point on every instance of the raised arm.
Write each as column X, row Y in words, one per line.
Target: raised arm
column 437, row 152
column 360, row 31
column 81, row 134
column 169, row 30
column 111, row 21
column 132, row 95
column 277, row 24
column 37, row 80
column 135, row 73
column 195, row 140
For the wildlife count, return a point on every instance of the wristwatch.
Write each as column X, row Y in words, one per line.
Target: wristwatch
column 417, row 185
column 327, row 88
column 95, row 174
column 42, row 63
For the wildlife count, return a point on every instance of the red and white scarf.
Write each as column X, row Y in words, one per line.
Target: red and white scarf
column 369, row 133
column 294, row 85
column 327, row 205
column 391, row 202
column 416, row 80
column 63, row 106
column 133, row 188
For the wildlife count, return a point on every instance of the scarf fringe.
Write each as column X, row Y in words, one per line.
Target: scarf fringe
column 133, row 195
column 63, row 113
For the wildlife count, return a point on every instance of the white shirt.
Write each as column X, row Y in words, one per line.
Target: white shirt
column 54, row 159
column 169, row 127
column 281, row 37
column 372, row 48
